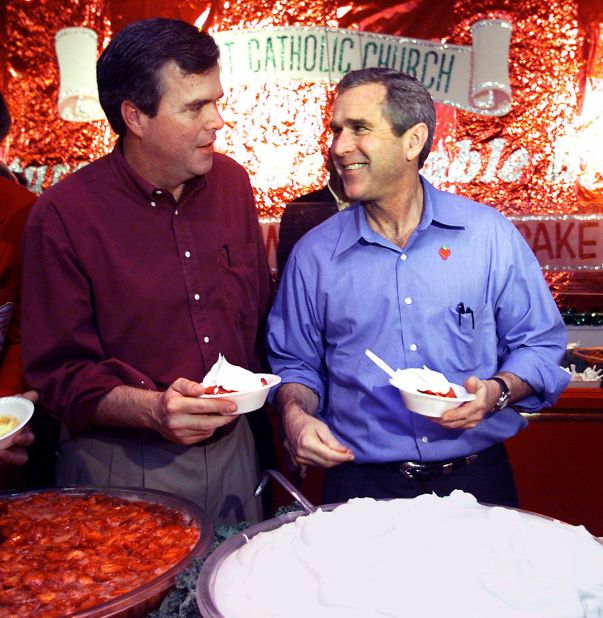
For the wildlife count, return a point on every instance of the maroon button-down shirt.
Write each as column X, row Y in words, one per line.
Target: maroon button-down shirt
column 124, row 285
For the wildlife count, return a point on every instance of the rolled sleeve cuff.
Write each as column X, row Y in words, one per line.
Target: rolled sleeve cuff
column 547, row 379
column 108, row 375
column 128, row 375
column 289, row 378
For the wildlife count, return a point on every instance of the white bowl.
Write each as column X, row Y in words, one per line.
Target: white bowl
column 19, row 407
column 248, row 401
column 432, row 405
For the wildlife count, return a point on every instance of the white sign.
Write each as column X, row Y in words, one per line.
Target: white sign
column 474, row 78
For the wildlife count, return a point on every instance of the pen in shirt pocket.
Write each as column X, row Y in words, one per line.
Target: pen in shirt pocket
column 227, row 250
column 462, row 310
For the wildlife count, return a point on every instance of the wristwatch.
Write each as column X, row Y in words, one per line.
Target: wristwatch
column 505, row 394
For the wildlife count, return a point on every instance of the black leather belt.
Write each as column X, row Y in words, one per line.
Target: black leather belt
column 418, row 471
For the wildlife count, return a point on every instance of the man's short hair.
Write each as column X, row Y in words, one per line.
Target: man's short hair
column 129, row 68
column 5, row 120
column 407, row 101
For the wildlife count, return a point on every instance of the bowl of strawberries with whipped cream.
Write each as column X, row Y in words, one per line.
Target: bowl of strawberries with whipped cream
column 247, row 389
column 428, row 392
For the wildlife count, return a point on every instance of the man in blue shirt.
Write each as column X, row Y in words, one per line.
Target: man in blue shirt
column 420, row 277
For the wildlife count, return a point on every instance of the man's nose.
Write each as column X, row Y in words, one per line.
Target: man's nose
column 215, row 122
column 342, row 144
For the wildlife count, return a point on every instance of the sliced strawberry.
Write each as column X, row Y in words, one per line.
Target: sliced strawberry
column 216, row 390
column 450, row 394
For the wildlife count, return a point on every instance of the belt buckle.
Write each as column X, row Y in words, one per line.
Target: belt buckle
column 412, row 470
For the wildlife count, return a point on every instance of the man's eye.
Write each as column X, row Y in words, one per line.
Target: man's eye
column 360, row 128
column 195, row 108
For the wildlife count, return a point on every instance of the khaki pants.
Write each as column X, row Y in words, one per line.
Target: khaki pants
column 220, row 477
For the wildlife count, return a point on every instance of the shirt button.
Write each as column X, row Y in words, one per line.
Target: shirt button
column 158, row 192
column 424, row 439
column 187, row 254
column 413, row 347
column 142, row 382
column 404, row 257
column 197, row 297
column 176, row 212
column 408, row 300
column 206, row 339
column 153, row 204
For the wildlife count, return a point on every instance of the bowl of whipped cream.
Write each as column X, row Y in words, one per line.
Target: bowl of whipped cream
column 428, row 392
column 424, row 557
column 247, row 389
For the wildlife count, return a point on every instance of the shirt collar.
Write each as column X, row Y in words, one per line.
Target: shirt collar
column 436, row 211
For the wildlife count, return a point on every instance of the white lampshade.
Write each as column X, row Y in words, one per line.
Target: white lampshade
column 78, row 93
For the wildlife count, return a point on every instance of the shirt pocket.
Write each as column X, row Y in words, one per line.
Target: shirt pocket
column 467, row 338
column 238, row 270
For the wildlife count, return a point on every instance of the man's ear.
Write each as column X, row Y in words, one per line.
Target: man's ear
column 133, row 117
column 416, row 137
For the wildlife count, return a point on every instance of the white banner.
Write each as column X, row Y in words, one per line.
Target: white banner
column 474, row 78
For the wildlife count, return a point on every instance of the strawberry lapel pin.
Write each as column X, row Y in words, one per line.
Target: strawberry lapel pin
column 444, row 252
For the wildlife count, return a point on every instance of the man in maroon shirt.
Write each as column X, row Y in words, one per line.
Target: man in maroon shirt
column 153, row 264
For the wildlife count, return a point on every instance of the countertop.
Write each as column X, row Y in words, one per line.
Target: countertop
column 575, row 404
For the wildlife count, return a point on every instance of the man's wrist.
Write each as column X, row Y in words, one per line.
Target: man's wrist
column 128, row 406
column 505, row 394
column 294, row 399
column 153, row 410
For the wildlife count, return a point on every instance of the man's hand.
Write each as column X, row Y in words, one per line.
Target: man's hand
column 487, row 393
column 181, row 417
column 16, row 454
column 468, row 415
column 310, row 442
column 33, row 396
column 178, row 414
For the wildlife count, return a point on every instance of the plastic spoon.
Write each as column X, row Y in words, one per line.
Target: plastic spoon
column 380, row 363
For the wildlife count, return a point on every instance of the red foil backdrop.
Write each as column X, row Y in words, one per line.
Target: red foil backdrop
column 39, row 137
column 278, row 130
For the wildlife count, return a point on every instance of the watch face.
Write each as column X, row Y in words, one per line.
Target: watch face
column 503, row 400
column 505, row 394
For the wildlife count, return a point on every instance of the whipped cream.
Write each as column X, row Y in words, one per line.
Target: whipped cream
column 423, row 558
column 425, row 379
column 231, row 377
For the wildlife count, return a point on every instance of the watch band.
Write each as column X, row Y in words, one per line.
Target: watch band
column 505, row 394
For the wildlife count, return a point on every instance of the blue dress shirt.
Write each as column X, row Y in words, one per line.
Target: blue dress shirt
column 346, row 288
